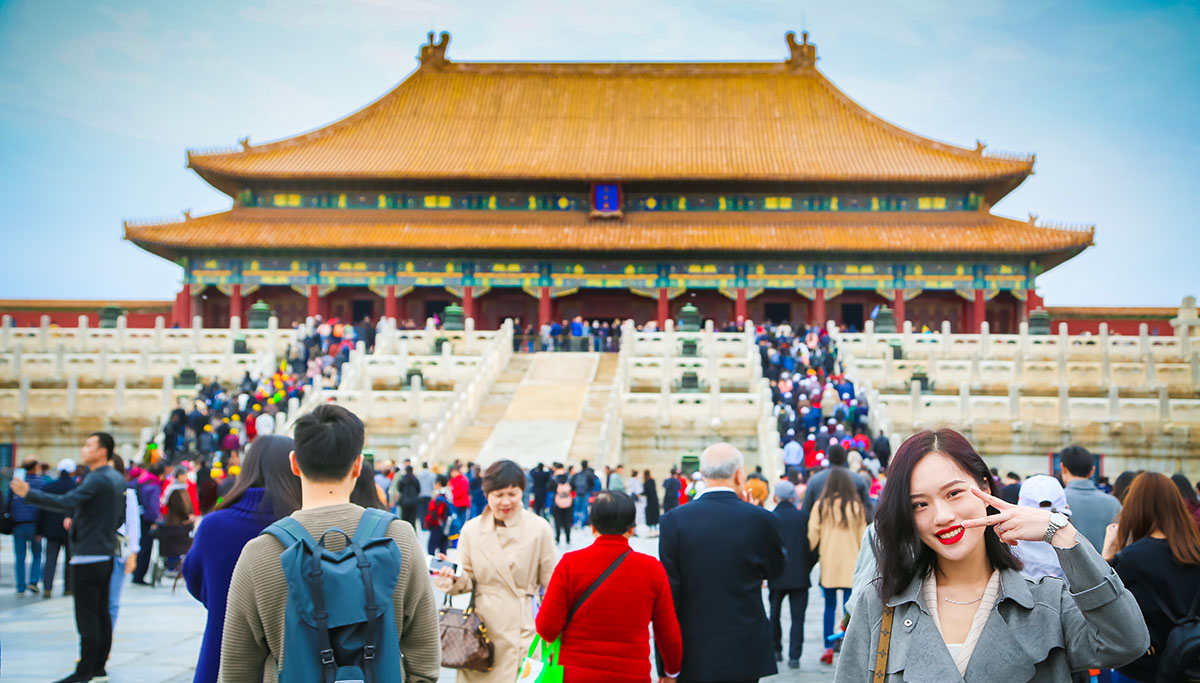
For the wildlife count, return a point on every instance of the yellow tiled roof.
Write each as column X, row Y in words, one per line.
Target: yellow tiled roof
column 762, row 121
column 542, row 231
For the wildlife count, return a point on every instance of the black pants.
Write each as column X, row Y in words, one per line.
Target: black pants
column 52, row 548
column 144, row 552
column 423, row 505
column 798, row 601
column 91, row 616
column 408, row 513
column 562, row 522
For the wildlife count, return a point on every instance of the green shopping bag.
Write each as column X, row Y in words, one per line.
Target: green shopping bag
column 542, row 667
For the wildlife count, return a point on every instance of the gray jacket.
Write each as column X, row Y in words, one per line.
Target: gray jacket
column 1038, row 631
column 1092, row 510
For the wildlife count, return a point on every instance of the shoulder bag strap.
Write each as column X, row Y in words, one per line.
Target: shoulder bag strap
column 885, row 645
column 595, row 584
column 1167, row 611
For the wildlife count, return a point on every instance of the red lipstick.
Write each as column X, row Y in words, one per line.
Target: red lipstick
column 950, row 535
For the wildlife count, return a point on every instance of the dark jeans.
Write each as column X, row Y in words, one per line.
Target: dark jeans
column 423, row 505
column 92, row 618
column 438, row 542
column 52, row 548
column 562, row 523
column 408, row 513
column 798, row 605
column 144, row 551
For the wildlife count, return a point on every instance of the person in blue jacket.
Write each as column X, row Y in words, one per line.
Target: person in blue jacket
column 266, row 490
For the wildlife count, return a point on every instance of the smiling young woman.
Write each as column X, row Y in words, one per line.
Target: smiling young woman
column 951, row 591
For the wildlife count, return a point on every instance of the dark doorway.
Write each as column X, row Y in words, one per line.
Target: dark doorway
column 435, row 308
column 362, row 308
column 852, row 316
column 777, row 312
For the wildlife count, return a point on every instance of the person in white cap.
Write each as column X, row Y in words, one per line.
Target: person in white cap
column 50, row 525
column 1040, row 560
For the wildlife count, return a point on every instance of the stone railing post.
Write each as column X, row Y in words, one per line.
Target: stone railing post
column 197, row 330
column 81, row 334
column 119, row 396
column 122, row 337
column 1105, row 356
column 1143, row 339
column 1014, row 402
column 906, row 344
column 1022, row 339
column 23, row 394
column 72, row 394
column 159, row 325
column 1114, row 403
column 1151, row 372
column 415, row 396
column 869, row 338
column 1164, row 405
column 964, row 404
column 6, row 324
column 168, row 394
column 44, row 335
column 1064, row 405
column 985, row 339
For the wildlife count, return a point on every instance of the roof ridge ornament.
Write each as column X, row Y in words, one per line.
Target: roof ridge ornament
column 245, row 143
column 434, row 54
column 803, row 54
column 980, row 145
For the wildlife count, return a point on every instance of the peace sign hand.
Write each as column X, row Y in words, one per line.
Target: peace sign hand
column 1018, row 523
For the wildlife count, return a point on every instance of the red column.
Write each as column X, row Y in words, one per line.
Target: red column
column 664, row 308
column 468, row 302
column 544, row 307
column 389, row 303
column 314, row 301
column 978, row 311
column 1032, row 303
column 818, row 309
column 235, row 304
column 898, row 309
column 739, row 306
column 184, row 318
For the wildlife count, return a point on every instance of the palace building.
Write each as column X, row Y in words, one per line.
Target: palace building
column 544, row 191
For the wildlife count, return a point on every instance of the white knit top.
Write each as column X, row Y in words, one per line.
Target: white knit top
column 962, row 652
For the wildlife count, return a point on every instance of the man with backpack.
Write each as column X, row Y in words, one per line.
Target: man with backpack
column 583, row 481
column 333, row 592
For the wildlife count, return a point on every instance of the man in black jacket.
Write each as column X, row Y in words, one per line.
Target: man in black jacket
column 717, row 551
column 793, row 583
column 97, row 509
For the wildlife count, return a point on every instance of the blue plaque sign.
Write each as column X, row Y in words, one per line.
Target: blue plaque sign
column 606, row 198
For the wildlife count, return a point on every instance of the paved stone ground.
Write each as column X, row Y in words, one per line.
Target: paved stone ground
column 157, row 638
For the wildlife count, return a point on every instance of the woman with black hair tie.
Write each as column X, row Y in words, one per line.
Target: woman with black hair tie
column 951, row 604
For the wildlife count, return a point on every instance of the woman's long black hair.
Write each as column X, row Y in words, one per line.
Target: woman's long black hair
column 900, row 554
column 266, row 466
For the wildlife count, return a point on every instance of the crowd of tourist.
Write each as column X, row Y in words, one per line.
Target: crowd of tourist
column 927, row 546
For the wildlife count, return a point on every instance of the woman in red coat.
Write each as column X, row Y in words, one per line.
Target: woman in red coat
column 606, row 639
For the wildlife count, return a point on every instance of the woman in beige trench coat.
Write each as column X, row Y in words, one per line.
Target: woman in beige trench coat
column 507, row 555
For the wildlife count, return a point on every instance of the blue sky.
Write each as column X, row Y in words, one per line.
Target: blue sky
column 98, row 103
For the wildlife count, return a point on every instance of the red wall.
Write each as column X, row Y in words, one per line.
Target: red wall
column 71, row 318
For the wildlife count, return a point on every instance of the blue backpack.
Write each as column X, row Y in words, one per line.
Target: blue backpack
column 352, row 637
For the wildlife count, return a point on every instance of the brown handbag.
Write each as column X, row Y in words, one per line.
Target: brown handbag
column 465, row 642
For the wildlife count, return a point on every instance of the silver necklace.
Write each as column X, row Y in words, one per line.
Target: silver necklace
column 968, row 602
